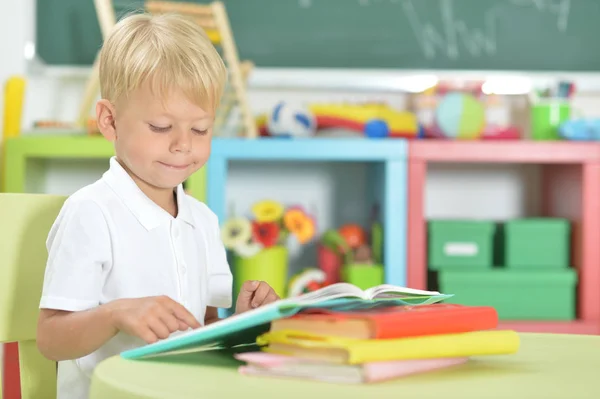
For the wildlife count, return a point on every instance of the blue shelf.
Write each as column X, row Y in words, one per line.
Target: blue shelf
column 275, row 149
column 387, row 179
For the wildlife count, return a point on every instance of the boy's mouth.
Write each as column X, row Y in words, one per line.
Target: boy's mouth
column 175, row 166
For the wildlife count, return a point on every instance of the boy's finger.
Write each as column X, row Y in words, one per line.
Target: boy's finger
column 183, row 326
column 247, row 290
column 147, row 335
column 272, row 297
column 184, row 315
column 159, row 328
column 170, row 321
column 261, row 294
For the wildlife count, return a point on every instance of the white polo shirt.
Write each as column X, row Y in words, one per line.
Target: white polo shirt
column 110, row 241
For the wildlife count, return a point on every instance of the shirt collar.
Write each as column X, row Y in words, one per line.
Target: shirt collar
column 147, row 212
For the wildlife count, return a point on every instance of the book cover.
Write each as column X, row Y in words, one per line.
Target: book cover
column 392, row 322
column 356, row 351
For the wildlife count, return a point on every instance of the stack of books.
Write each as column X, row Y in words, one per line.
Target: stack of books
column 341, row 333
column 379, row 344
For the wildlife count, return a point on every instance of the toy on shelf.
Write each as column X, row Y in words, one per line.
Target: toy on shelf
column 580, row 130
column 14, row 96
column 291, row 121
column 308, row 280
column 460, row 110
column 460, row 116
column 370, row 120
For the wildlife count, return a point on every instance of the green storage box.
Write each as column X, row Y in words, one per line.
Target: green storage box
column 363, row 276
column 461, row 244
column 515, row 294
column 537, row 243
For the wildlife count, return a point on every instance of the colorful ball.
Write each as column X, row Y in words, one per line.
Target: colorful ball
column 291, row 121
column 460, row 116
column 376, row 128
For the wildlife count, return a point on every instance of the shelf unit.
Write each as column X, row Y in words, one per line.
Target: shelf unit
column 26, row 155
column 387, row 178
column 562, row 161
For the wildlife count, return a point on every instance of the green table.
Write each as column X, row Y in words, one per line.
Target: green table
column 546, row 366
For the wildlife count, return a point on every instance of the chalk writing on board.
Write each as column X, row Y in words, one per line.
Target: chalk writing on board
column 561, row 8
column 454, row 31
column 454, row 34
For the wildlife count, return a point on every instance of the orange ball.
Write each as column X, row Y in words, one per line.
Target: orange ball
column 354, row 235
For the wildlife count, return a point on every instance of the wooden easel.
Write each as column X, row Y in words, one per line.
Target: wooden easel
column 214, row 20
column 106, row 19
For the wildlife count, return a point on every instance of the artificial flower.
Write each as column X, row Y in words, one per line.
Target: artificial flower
column 266, row 233
column 267, row 211
column 248, row 249
column 354, row 235
column 299, row 224
column 236, row 231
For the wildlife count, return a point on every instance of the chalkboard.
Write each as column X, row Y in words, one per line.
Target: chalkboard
column 530, row 35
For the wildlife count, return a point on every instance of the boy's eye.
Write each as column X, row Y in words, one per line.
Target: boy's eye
column 200, row 132
column 159, row 129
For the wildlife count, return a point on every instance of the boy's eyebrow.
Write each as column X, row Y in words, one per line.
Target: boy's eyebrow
column 194, row 119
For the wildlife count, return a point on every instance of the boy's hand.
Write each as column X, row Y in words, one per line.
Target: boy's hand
column 254, row 294
column 151, row 318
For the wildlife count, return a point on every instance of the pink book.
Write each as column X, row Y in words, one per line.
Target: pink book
column 268, row 364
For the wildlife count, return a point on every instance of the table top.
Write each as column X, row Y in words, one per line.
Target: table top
column 546, row 366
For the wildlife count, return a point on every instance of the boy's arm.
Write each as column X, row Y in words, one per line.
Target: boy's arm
column 64, row 335
column 211, row 316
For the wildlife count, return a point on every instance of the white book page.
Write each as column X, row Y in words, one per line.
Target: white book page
column 333, row 291
column 381, row 290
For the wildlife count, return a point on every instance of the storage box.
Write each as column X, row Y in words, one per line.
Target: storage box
column 537, row 243
column 460, row 244
column 363, row 276
column 516, row 294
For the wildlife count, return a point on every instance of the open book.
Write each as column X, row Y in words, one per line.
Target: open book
column 243, row 329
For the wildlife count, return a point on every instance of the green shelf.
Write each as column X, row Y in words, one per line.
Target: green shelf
column 27, row 154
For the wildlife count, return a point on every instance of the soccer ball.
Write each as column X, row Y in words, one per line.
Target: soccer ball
column 291, row 121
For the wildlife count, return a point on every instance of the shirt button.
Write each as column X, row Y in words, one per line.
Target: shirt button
column 183, row 269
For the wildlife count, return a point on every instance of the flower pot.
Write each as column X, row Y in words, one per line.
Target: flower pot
column 364, row 276
column 269, row 265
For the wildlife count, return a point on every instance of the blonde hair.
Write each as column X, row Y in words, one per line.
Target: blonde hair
column 168, row 52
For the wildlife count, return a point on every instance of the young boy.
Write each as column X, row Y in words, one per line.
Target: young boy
column 132, row 258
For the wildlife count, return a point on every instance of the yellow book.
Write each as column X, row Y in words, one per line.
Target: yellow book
column 358, row 351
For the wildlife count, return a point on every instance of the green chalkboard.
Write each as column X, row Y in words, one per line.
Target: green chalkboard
column 531, row 35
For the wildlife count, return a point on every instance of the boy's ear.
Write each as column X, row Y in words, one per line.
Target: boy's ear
column 105, row 115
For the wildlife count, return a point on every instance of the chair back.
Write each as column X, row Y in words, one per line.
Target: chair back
column 25, row 220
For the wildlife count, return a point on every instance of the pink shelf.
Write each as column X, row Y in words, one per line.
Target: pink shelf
column 504, row 151
column 564, row 163
column 555, row 327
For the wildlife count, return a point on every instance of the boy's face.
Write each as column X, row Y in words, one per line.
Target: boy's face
column 160, row 141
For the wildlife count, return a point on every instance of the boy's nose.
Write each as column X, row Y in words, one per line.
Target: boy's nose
column 182, row 142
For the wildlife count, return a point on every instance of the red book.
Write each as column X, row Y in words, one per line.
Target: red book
column 392, row 322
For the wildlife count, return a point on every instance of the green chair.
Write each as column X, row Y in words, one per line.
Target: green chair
column 25, row 220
